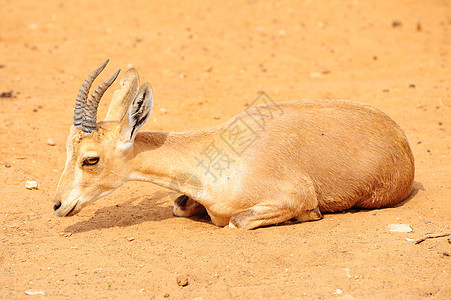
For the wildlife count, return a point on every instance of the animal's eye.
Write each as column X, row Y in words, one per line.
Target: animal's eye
column 90, row 161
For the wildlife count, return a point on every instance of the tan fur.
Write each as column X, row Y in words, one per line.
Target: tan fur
column 306, row 155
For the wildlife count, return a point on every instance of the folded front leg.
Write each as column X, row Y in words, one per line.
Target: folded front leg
column 293, row 205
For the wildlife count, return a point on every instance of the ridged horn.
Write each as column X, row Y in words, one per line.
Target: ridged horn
column 89, row 123
column 80, row 103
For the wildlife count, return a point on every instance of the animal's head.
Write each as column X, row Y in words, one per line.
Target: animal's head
column 97, row 153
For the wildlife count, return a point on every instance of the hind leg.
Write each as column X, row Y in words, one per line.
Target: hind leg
column 187, row 207
column 307, row 216
column 263, row 215
column 290, row 206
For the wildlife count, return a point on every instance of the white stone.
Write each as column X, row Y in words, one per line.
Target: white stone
column 31, row 185
column 399, row 227
column 51, row 142
column 32, row 292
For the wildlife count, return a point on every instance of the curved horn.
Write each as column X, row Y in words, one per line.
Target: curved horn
column 80, row 103
column 89, row 123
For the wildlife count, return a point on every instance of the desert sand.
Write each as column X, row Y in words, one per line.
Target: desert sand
column 206, row 61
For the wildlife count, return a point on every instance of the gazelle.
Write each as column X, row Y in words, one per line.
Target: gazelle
column 271, row 164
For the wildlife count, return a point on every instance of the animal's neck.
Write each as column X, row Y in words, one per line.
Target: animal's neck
column 168, row 160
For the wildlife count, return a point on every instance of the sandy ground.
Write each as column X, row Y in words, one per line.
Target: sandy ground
column 205, row 63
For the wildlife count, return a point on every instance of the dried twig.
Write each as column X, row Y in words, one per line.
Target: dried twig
column 431, row 236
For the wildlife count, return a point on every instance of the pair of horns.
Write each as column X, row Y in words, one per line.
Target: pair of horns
column 85, row 113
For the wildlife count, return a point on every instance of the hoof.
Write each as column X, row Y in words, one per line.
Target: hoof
column 187, row 207
column 231, row 225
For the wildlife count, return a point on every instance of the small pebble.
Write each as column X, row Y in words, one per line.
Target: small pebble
column 32, row 292
column 396, row 23
column 166, row 295
column 399, row 227
column 182, row 280
column 31, row 185
column 339, row 292
column 412, row 85
column 315, row 75
column 215, row 117
column 6, row 94
column 51, row 142
column 419, row 27
column 7, row 165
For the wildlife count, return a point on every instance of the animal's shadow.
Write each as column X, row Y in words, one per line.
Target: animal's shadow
column 150, row 209
column 417, row 186
column 129, row 213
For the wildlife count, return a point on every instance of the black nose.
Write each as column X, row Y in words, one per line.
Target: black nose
column 57, row 205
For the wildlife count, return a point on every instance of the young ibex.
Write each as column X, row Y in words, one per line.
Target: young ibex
column 271, row 164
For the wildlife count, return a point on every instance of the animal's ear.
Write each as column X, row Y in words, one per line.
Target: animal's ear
column 138, row 114
column 124, row 96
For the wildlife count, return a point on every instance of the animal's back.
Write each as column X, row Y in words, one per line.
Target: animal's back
column 354, row 154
